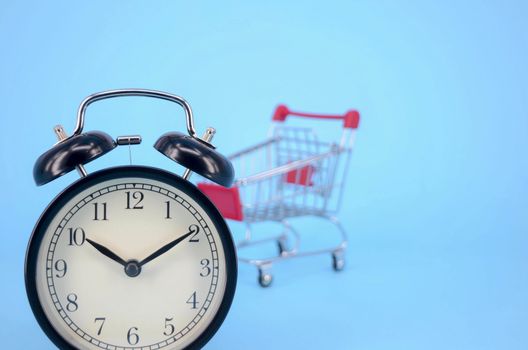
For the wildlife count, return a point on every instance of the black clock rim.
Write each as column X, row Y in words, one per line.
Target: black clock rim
column 113, row 173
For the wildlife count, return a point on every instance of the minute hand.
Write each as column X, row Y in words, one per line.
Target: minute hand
column 164, row 249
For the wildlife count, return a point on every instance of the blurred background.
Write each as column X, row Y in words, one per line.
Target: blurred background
column 436, row 198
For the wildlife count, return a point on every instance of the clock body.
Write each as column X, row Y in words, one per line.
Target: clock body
column 131, row 258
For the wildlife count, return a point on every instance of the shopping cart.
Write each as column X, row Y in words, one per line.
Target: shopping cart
column 291, row 174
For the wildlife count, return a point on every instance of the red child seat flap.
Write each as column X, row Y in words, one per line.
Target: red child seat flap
column 227, row 200
column 301, row 176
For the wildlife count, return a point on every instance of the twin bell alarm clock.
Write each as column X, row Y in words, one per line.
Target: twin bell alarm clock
column 131, row 257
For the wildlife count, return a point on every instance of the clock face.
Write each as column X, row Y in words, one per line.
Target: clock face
column 131, row 258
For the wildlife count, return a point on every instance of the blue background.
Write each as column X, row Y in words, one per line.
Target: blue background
column 436, row 200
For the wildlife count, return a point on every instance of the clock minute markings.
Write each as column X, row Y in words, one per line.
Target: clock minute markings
column 132, row 332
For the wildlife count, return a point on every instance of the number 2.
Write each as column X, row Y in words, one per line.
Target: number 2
column 195, row 230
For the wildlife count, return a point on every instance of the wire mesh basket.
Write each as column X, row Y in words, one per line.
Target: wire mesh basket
column 291, row 174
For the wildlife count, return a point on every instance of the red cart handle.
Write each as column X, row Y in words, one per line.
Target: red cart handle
column 350, row 118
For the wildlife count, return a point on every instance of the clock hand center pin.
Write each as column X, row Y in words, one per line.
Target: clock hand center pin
column 132, row 267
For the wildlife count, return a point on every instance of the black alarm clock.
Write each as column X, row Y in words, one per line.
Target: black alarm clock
column 131, row 257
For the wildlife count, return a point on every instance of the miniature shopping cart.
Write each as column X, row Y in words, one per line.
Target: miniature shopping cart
column 291, row 174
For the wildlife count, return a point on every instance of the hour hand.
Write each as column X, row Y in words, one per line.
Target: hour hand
column 107, row 252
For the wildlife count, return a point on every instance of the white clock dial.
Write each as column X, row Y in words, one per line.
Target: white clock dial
column 131, row 263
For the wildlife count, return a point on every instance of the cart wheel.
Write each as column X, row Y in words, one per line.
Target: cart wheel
column 338, row 262
column 282, row 247
column 264, row 279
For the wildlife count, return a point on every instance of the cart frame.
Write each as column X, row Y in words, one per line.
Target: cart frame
column 290, row 174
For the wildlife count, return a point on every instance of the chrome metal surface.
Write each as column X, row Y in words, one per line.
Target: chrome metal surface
column 81, row 112
column 208, row 135
column 60, row 133
column 81, row 170
column 271, row 174
column 292, row 174
column 128, row 140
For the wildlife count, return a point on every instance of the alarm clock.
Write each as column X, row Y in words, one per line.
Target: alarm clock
column 131, row 257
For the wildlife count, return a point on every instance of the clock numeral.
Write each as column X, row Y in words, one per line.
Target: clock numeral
column 132, row 337
column 195, row 230
column 97, row 211
column 206, row 269
column 72, row 305
column 192, row 301
column 77, row 236
column 167, row 216
column 138, row 196
column 169, row 327
column 61, row 267
column 102, row 320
